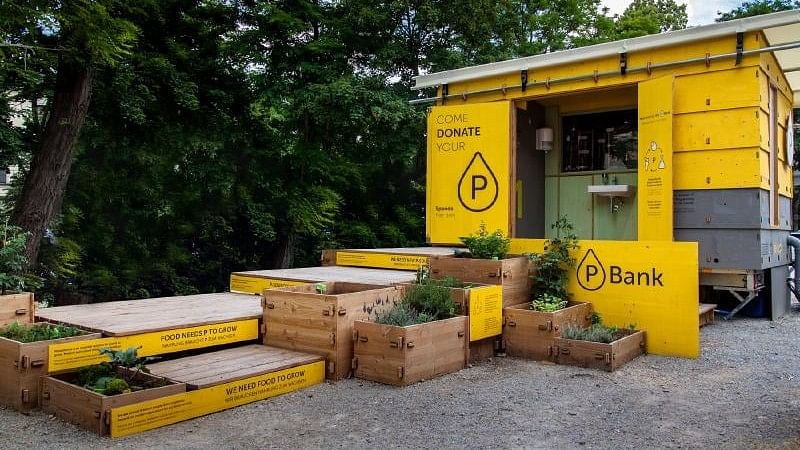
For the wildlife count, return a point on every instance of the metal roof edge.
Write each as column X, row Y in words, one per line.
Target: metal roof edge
column 609, row 48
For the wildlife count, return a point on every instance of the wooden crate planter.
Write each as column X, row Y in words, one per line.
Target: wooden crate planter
column 597, row 355
column 405, row 355
column 298, row 318
column 90, row 410
column 530, row 334
column 17, row 308
column 21, row 367
column 512, row 273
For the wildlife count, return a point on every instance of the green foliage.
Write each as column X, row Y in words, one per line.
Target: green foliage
column 400, row 315
column 110, row 385
column 548, row 303
column 757, row 8
column 595, row 333
column 37, row 332
column 13, row 263
column 432, row 299
column 553, row 266
column 485, row 245
column 115, row 376
column 321, row 288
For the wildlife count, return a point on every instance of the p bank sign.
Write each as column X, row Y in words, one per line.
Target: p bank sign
column 651, row 285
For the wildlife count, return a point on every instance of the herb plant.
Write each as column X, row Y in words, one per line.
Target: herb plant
column 37, row 332
column 425, row 301
column 487, row 245
column 116, row 376
column 597, row 332
column 13, row 262
column 553, row 267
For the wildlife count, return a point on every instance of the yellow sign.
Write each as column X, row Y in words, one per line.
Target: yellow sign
column 73, row 355
column 255, row 285
column 655, row 159
column 651, row 285
column 380, row 260
column 485, row 312
column 139, row 417
column 468, row 170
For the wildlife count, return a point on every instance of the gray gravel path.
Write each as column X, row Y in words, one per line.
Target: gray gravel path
column 744, row 392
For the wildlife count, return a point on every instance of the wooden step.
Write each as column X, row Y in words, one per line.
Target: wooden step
column 254, row 282
column 706, row 313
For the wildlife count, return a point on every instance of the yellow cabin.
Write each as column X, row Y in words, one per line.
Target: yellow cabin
column 681, row 136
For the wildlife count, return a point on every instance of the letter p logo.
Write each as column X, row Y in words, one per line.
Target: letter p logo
column 591, row 273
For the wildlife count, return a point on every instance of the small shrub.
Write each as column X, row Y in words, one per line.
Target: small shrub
column 26, row 333
column 401, row 315
column 432, row 299
column 14, row 275
column 487, row 245
column 548, row 303
column 553, row 266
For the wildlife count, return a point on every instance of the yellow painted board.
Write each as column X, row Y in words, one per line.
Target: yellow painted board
column 714, row 130
column 607, row 64
column 601, row 100
column 652, row 285
column 655, row 165
column 256, row 285
column 485, row 312
column 717, row 169
column 468, row 179
column 139, row 417
column 763, row 164
column 380, row 260
column 73, row 355
column 701, row 91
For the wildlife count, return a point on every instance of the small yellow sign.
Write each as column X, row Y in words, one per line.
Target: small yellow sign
column 651, row 285
column 396, row 261
column 73, row 355
column 139, row 417
column 248, row 284
column 655, row 160
column 485, row 312
column 468, row 170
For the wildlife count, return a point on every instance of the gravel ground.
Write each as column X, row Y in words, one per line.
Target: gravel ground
column 744, row 392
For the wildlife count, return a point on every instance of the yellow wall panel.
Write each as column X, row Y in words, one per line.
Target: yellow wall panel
column 602, row 100
column 701, row 91
column 717, row 169
column 713, row 130
column 763, row 165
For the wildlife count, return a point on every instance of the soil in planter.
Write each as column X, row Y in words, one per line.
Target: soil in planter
column 27, row 333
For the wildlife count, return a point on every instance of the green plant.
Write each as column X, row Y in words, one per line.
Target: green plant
column 432, row 299
column 321, row 288
column 548, row 303
column 14, row 275
column 115, row 376
column 37, row 332
column 487, row 245
column 553, row 266
column 401, row 315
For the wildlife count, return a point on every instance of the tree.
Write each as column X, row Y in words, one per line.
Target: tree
column 86, row 35
column 756, row 8
column 643, row 17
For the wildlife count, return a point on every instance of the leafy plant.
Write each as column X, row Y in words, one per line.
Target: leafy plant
column 553, row 266
column 432, row 299
column 13, row 262
column 548, row 303
column 401, row 315
column 115, row 376
column 487, row 245
column 597, row 332
column 37, row 332
column 321, row 288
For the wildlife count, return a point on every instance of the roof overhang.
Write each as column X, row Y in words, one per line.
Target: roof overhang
column 779, row 28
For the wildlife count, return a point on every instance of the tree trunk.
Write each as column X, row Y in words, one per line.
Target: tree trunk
column 284, row 256
column 46, row 181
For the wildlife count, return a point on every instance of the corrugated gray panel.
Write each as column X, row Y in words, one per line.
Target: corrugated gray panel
column 738, row 249
column 728, row 208
column 779, row 292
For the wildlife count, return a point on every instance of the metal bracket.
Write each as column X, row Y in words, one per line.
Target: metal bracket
column 739, row 47
column 623, row 63
column 445, row 93
column 523, row 79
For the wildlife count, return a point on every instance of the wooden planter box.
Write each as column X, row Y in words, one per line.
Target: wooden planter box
column 297, row 318
column 90, row 410
column 405, row 355
column 480, row 349
column 596, row 355
column 17, row 308
column 530, row 334
column 512, row 273
column 21, row 367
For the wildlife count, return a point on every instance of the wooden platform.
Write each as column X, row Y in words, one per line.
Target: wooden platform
column 131, row 317
column 411, row 258
column 706, row 313
column 225, row 366
column 255, row 282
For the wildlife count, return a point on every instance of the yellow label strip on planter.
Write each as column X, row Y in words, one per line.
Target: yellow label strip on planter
column 73, row 355
column 380, row 260
column 131, row 419
column 256, row 285
column 485, row 312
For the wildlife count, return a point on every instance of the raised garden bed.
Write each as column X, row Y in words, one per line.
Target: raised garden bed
column 484, row 318
column 530, row 334
column 17, row 308
column 512, row 273
column 303, row 318
column 405, row 355
column 598, row 355
column 22, row 364
column 91, row 410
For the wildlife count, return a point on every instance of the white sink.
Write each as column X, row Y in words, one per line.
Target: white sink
column 611, row 190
